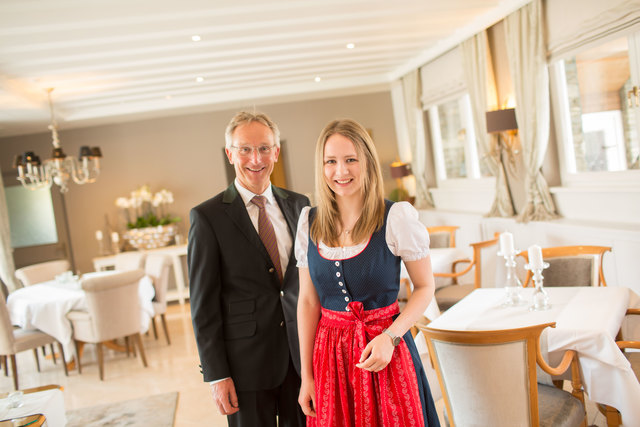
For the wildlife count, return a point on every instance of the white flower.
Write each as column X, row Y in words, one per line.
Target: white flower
column 123, row 203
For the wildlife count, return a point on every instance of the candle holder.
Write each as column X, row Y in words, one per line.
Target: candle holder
column 512, row 285
column 540, row 297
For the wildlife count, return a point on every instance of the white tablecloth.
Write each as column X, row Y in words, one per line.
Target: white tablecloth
column 49, row 403
column 44, row 306
column 587, row 320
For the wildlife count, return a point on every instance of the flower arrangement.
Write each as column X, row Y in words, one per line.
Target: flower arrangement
column 149, row 210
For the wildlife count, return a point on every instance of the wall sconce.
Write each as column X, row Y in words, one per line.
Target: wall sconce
column 400, row 170
column 504, row 122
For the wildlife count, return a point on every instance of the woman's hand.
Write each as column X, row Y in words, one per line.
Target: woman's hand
column 307, row 398
column 377, row 354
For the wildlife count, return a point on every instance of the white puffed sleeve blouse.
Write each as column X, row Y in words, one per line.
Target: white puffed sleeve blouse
column 406, row 237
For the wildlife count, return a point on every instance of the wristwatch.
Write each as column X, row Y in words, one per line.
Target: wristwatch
column 395, row 340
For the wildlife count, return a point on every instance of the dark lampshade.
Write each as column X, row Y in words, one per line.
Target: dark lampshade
column 501, row 120
column 85, row 151
column 400, row 170
column 95, row 152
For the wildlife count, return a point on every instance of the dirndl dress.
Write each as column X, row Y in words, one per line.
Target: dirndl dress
column 358, row 296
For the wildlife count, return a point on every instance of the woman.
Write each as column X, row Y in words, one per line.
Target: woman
column 356, row 370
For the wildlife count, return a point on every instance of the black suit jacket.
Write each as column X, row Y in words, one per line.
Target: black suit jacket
column 244, row 319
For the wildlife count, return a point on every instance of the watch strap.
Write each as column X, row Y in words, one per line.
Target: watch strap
column 395, row 340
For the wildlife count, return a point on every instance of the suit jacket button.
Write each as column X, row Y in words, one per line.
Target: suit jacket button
column 281, row 293
column 271, row 270
column 282, row 323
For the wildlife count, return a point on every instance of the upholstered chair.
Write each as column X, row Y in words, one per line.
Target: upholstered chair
column 132, row 260
column 15, row 340
column 571, row 266
column 483, row 259
column 489, row 378
column 158, row 267
column 42, row 272
column 442, row 236
column 113, row 311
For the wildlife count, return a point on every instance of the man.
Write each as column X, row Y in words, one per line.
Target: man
column 244, row 284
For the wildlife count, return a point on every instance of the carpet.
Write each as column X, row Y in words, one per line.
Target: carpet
column 157, row 410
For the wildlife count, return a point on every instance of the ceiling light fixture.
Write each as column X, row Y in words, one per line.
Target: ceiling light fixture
column 199, row 79
column 350, row 45
column 195, row 38
column 59, row 168
column 317, row 79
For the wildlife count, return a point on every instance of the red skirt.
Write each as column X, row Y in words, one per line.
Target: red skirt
column 349, row 396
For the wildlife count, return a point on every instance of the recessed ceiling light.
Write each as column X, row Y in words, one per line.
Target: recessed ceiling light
column 199, row 79
column 168, row 97
column 350, row 45
column 317, row 79
column 195, row 38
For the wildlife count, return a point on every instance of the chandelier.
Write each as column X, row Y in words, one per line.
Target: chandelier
column 60, row 168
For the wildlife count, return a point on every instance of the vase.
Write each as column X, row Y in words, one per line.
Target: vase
column 151, row 237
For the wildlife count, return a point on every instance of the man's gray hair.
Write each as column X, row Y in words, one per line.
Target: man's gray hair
column 246, row 117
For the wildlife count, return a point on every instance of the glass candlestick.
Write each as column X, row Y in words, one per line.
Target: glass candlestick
column 512, row 285
column 540, row 296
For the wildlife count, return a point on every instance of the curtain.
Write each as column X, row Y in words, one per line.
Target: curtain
column 481, row 87
column 410, row 130
column 527, row 61
column 7, row 267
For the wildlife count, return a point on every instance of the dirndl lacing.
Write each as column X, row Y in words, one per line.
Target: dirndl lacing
column 350, row 396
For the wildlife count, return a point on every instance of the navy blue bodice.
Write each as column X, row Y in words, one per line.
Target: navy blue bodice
column 371, row 277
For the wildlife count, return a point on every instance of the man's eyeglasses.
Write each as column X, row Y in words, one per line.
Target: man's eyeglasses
column 247, row 150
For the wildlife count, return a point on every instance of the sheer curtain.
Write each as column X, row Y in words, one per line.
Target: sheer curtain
column 7, row 267
column 526, row 52
column 481, row 86
column 410, row 131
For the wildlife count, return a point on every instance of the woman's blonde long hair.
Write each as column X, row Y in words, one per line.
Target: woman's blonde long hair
column 327, row 221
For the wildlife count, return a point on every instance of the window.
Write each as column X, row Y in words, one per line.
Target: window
column 599, row 115
column 454, row 142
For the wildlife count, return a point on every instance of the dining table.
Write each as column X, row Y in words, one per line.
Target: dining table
column 48, row 402
column 44, row 306
column 587, row 320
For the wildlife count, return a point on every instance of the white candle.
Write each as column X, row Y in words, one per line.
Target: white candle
column 99, row 235
column 115, row 237
column 506, row 243
column 535, row 257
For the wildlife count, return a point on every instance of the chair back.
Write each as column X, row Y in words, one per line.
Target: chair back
column 571, row 266
column 132, row 260
column 442, row 236
column 42, row 272
column 113, row 305
column 7, row 339
column 158, row 267
column 467, row 361
column 483, row 262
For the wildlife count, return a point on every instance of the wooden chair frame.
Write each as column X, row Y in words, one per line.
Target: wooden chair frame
column 476, row 262
column 567, row 251
column 532, row 336
column 451, row 229
column 612, row 415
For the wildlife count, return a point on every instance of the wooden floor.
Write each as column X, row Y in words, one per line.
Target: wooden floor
column 171, row 368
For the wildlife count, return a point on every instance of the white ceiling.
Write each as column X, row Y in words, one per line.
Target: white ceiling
column 116, row 60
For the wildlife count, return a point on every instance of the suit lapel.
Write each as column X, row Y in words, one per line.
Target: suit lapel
column 237, row 212
column 287, row 210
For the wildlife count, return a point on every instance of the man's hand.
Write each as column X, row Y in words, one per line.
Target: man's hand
column 225, row 397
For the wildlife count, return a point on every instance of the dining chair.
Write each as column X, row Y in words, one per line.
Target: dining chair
column 571, row 266
column 42, row 272
column 158, row 267
column 611, row 414
column 489, row 378
column 131, row 260
column 423, row 352
column 113, row 311
column 16, row 340
column 442, row 236
column 448, row 295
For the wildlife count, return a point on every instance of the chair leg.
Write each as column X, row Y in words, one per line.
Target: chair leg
column 127, row 344
column 100, row 361
column 155, row 330
column 35, row 354
column 14, row 369
column 138, row 340
column 611, row 414
column 64, row 362
column 164, row 326
column 78, row 354
column 53, row 354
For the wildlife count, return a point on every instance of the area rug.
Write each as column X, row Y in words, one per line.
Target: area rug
column 157, row 410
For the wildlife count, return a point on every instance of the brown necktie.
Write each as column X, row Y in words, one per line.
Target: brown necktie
column 267, row 234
